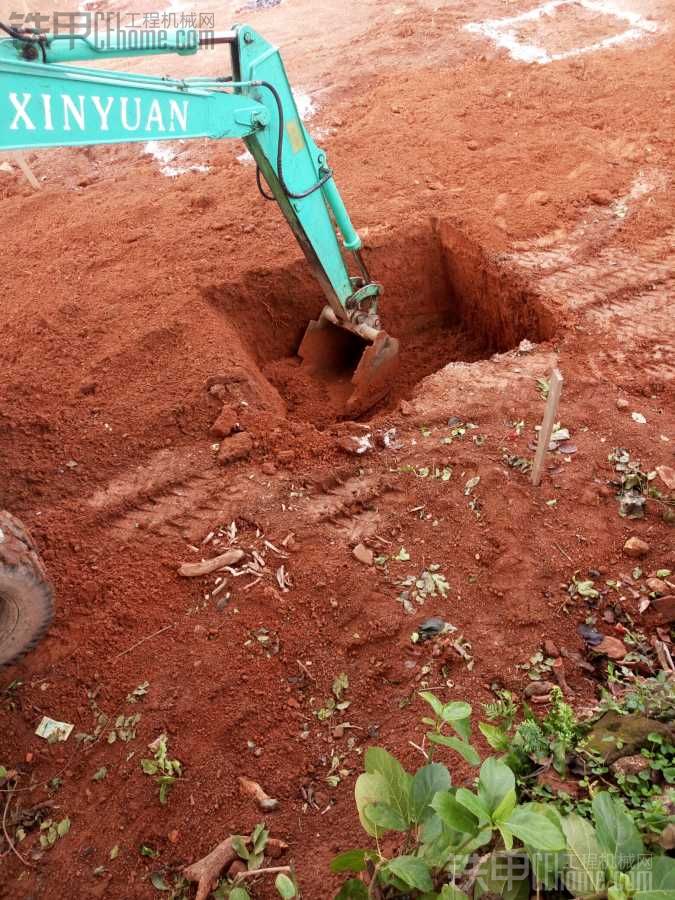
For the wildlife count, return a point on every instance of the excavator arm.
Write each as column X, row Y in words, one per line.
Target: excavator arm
column 46, row 102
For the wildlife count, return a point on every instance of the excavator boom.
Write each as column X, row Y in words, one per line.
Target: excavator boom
column 46, row 102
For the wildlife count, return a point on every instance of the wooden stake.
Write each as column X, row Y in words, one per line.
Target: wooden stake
column 555, row 388
column 20, row 160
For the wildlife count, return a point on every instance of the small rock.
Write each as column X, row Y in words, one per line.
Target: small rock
column 237, row 446
column 657, row 586
column 200, row 631
column 611, row 647
column 268, row 468
column 353, row 444
column 541, row 198
column 501, row 202
column 339, row 731
column 622, row 403
column 293, row 703
column 407, row 409
column 538, row 688
column 615, row 735
column 550, row 648
column 591, row 635
column 665, row 607
column 472, row 145
column 285, row 457
column 225, row 424
column 173, row 836
column 667, row 476
column 88, row 387
column 219, row 392
column 364, row 554
column 636, row 548
column 600, row 197
column 630, row 765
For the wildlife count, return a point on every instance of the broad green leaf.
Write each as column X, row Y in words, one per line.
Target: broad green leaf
column 398, row 781
column 369, row 788
column 466, row 751
column 427, row 782
column 496, row 737
column 63, row 827
column 547, row 867
column 412, row 871
column 349, row 861
column 474, row 804
column 536, row 830
column 240, row 848
column 454, row 814
column 352, row 890
column 504, row 874
column 616, row 831
column 158, row 882
column 462, row 727
column 495, row 781
column 285, row 886
column 455, row 711
column 616, row 893
column 450, row 892
column 505, row 808
column 507, row 836
column 386, row 817
column 433, row 702
column 239, row 893
column 653, row 878
column 585, row 872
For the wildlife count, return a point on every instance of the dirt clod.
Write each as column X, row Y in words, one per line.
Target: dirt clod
column 225, row 424
column 538, row 689
column 600, row 197
column 636, row 548
column 363, row 554
column 237, row 446
column 611, row 647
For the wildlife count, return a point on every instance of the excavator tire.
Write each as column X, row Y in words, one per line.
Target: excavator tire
column 26, row 594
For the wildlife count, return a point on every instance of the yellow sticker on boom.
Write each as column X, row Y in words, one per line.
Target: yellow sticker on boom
column 295, row 135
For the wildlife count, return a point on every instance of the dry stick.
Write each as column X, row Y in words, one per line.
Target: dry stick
column 142, row 641
column 251, row 873
column 20, row 160
column 546, row 430
column 6, row 833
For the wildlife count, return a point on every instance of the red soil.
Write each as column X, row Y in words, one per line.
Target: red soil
column 125, row 290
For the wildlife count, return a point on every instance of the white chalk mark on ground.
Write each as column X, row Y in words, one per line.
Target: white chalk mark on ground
column 504, row 32
column 165, row 153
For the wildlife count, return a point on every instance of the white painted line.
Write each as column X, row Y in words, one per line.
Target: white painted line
column 504, row 32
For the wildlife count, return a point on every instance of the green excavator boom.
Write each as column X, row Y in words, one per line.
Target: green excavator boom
column 46, row 102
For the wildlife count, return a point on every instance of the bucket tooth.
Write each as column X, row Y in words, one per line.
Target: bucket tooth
column 338, row 354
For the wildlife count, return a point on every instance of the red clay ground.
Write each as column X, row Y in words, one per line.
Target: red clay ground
column 126, row 290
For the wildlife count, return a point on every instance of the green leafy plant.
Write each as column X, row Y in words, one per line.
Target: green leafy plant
column 457, row 843
column 252, row 851
column 165, row 771
column 51, row 831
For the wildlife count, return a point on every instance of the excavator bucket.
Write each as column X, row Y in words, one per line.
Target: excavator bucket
column 354, row 371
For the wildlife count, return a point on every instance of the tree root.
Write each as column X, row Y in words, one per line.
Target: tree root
column 206, row 871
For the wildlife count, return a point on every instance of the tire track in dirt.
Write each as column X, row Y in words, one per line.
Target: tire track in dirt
column 625, row 292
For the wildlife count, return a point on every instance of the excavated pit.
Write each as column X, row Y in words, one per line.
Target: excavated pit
column 445, row 299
